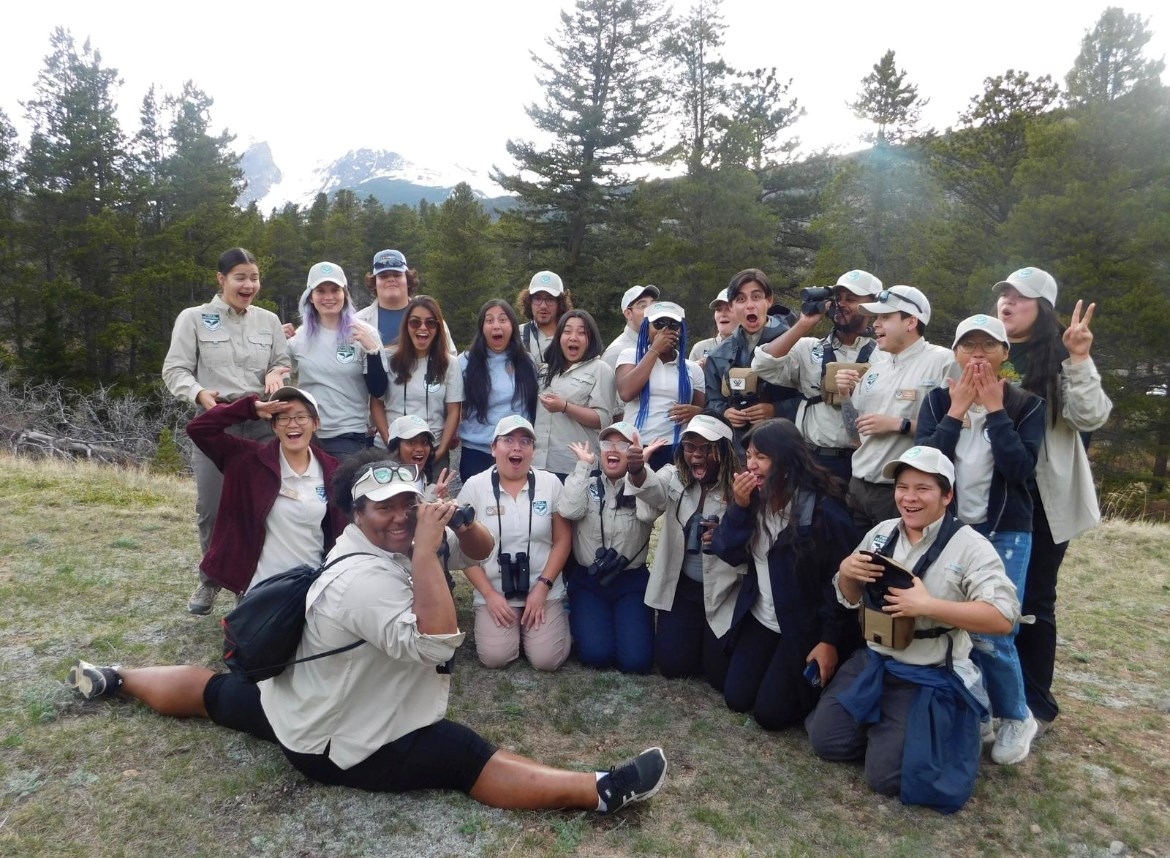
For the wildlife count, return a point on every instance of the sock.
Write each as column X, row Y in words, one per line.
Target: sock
column 601, row 805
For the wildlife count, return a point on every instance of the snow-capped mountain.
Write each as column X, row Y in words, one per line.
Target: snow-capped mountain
column 388, row 176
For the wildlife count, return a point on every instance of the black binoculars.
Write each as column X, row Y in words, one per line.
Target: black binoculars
column 815, row 300
column 694, row 533
column 514, row 575
column 464, row 515
column 607, row 565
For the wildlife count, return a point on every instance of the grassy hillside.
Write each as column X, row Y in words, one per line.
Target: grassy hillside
column 98, row 562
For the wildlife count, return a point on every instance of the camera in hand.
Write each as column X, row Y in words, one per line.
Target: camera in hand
column 514, row 575
column 607, row 565
column 694, row 533
column 815, row 300
column 464, row 515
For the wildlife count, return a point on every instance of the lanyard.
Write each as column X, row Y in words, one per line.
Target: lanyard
column 500, row 514
column 601, row 514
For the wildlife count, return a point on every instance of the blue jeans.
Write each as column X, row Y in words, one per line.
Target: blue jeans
column 996, row 654
column 612, row 625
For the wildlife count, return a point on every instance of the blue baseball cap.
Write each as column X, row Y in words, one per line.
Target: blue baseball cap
column 389, row 260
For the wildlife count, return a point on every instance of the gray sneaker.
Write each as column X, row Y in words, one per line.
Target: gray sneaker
column 1014, row 741
column 634, row 781
column 92, row 682
column 202, row 599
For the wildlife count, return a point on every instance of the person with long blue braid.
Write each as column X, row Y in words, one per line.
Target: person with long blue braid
column 667, row 388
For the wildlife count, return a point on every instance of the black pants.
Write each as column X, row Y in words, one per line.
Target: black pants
column 1036, row 643
column 443, row 755
column 684, row 644
column 761, row 681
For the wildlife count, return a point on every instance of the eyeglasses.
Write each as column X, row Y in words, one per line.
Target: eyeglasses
column 543, row 298
column 386, row 474
column 416, row 322
column 618, row 446
column 664, row 324
column 513, row 441
column 299, row 419
column 690, row 448
column 885, row 295
column 985, row 346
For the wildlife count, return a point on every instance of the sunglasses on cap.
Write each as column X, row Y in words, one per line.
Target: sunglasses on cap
column 666, row 324
column 383, row 475
column 884, row 298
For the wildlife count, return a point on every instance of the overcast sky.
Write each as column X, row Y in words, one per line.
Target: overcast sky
column 446, row 83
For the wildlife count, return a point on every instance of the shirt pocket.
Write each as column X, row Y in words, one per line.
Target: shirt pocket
column 578, row 388
column 259, row 352
column 215, row 348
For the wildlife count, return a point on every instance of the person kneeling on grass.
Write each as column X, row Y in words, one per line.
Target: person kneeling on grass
column 911, row 704
column 372, row 717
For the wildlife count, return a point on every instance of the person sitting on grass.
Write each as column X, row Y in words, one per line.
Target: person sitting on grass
column 373, row 717
column 910, row 705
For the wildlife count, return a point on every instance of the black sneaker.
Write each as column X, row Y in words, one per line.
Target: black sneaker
column 634, row 781
column 92, row 682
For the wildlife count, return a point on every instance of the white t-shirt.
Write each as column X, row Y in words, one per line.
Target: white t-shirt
column 428, row 401
column 335, row 374
column 508, row 522
column 974, row 468
column 292, row 532
column 764, row 608
column 663, row 394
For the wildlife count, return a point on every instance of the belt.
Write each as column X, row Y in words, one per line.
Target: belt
column 833, row 452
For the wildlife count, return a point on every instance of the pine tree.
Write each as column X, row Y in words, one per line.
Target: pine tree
column 698, row 83
column 1112, row 60
column 888, row 102
column 601, row 106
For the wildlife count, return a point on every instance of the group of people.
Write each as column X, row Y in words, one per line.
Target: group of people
column 850, row 526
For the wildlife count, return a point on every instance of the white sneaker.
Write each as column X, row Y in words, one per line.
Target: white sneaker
column 1014, row 740
column 986, row 732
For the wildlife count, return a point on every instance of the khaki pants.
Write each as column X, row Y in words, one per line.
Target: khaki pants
column 546, row 647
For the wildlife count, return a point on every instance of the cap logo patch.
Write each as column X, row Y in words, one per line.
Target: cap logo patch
column 980, row 320
column 913, row 453
column 211, row 321
column 854, row 275
column 1024, row 273
column 545, row 279
column 326, row 268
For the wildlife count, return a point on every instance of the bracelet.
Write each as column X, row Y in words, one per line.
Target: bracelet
column 544, row 580
column 565, row 410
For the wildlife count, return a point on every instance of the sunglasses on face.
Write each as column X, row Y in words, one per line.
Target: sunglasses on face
column 666, row 324
column 416, row 322
column 985, row 346
column 885, row 295
column 522, row 441
column 617, row 446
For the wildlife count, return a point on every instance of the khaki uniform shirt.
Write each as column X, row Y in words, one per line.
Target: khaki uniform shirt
column 820, row 424
column 897, row 386
column 590, row 384
column 214, row 347
column 627, row 526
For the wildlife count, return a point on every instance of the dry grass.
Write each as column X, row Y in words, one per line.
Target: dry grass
column 97, row 562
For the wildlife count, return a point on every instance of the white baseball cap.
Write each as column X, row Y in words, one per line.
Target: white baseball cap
column 635, row 292
column 409, row 426
column 546, row 281
column 627, row 430
column 665, row 310
column 510, row 424
column 709, row 427
column 383, row 480
column 721, row 298
column 288, row 393
column 929, row 460
column 990, row 325
column 900, row 299
column 1031, row 283
column 859, row 282
column 325, row 272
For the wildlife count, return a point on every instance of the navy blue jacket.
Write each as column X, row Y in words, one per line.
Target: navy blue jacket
column 1016, row 435
column 801, row 565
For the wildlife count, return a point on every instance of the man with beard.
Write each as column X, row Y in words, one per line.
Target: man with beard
column 794, row 359
column 543, row 303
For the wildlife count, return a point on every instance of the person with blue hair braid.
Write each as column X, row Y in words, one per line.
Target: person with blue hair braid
column 667, row 388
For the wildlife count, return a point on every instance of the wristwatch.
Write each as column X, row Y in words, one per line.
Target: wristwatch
column 904, row 429
column 547, row 581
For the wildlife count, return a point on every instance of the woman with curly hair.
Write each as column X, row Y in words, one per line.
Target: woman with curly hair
column 693, row 590
column 499, row 379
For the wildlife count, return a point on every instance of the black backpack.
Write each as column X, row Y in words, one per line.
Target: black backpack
column 261, row 636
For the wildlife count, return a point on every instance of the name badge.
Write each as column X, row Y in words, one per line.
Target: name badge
column 906, row 394
column 291, row 494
